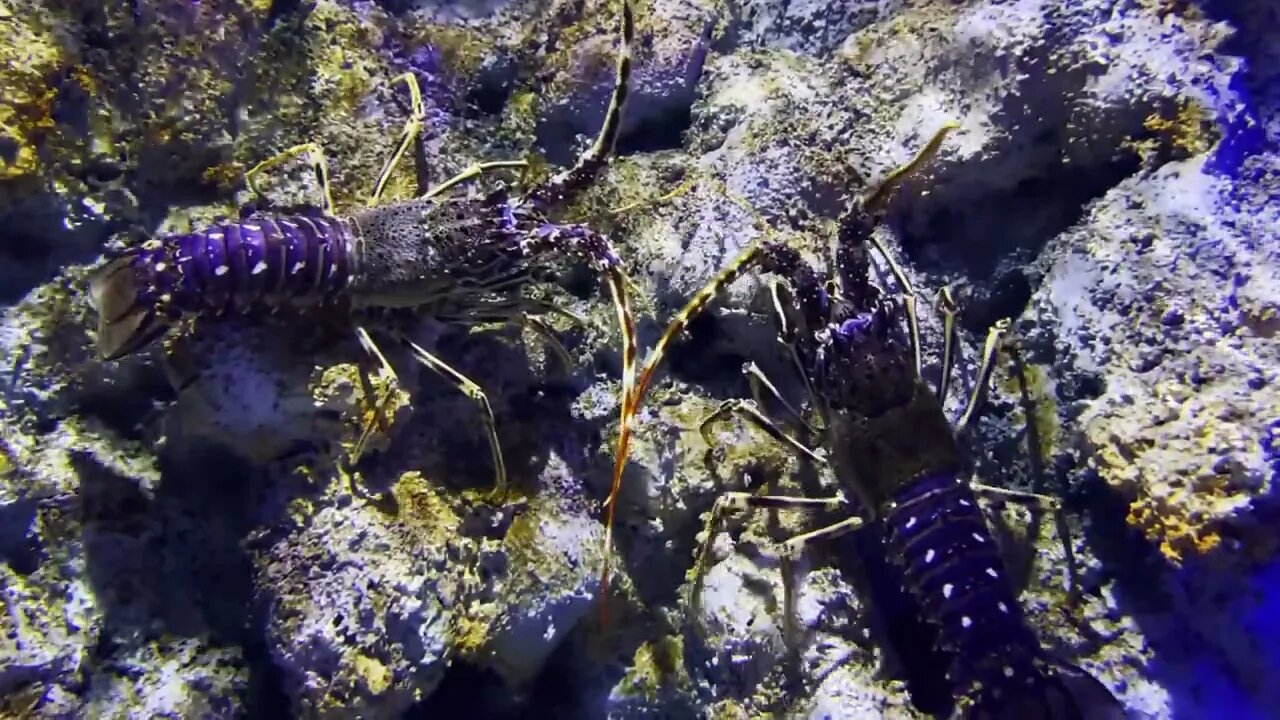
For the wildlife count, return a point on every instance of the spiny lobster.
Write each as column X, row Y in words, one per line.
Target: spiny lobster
column 896, row 458
column 461, row 258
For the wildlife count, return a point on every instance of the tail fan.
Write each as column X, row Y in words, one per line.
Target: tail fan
column 1063, row 692
column 126, row 324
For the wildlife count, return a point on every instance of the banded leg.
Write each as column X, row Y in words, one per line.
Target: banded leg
column 377, row 415
column 741, row 502
column 472, row 172
column 561, row 188
column 473, row 391
column 412, row 127
column 1049, row 504
column 908, row 294
column 525, row 320
column 748, row 410
column 317, row 161
column 946, row 304
column 791, row 550
column 990, row 350
column 759, row 382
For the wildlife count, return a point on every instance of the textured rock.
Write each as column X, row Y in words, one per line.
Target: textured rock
column 362, row 637
column 1111, row 187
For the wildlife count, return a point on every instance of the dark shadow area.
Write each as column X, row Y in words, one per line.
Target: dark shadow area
column 1155, row 594
column 656, row 132
column 987, row 235
column 128, row 406
column 469, row 691
column 172, row 566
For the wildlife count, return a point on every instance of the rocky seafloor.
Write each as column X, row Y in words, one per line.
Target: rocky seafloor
column 1113, row 187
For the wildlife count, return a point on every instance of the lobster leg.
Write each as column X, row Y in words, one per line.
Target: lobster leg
column 946, row 304
column 378, row 416
column 786, row 335
column 412, row 127
column 562, row 188
column 1049, row 504
column 908, row 297
column 741, row 502
column 527, row 320
column 989, row 352
column 473, row 391
column 759, row 383
column 544, row 331
column 748, row 410
column 472, row 172
column 318, row 164
column 791, row 550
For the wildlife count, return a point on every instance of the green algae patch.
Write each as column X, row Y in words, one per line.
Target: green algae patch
column 657, row 669
column 377, row 678
column 29, row 58
column 1039, row 388
column 423, row 510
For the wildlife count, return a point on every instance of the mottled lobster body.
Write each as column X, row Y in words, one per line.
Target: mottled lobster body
column 890, row 443
column 232, row 268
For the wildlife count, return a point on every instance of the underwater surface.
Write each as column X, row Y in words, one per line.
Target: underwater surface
column 301, row 419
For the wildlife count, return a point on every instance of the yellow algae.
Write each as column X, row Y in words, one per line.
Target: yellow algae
column 377, row 677
column 1191, row 128
column 424, row 510
column 469, row 635
column 225, row 176
column 1044, row 406
column 658, row 664
column 29, row 58
column 1186, row 130
column 462, row 49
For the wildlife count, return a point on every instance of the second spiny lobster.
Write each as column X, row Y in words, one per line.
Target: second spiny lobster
column 455, row 257
column 897, row 461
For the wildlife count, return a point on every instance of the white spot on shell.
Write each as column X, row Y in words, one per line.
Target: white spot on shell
column 946, row 590
column 1003, row 608
column 928, row 557
column 910, row 522
column 297, row 267
column 964, row 502
column 160, row 267
column 1008, row 671
column 965, row 621
column 221, row 270
column 979, row 538
column 992, row 572
column 260, row 267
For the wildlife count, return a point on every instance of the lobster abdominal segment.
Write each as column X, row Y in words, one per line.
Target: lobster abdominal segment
column 950, row 562
column 232, row 267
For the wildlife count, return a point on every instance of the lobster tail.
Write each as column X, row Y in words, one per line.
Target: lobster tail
column 127, row 319
column 1054, row 691
column 951, row 564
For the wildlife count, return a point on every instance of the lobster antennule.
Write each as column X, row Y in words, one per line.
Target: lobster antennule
column 125, row 325
column 1064, row 692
